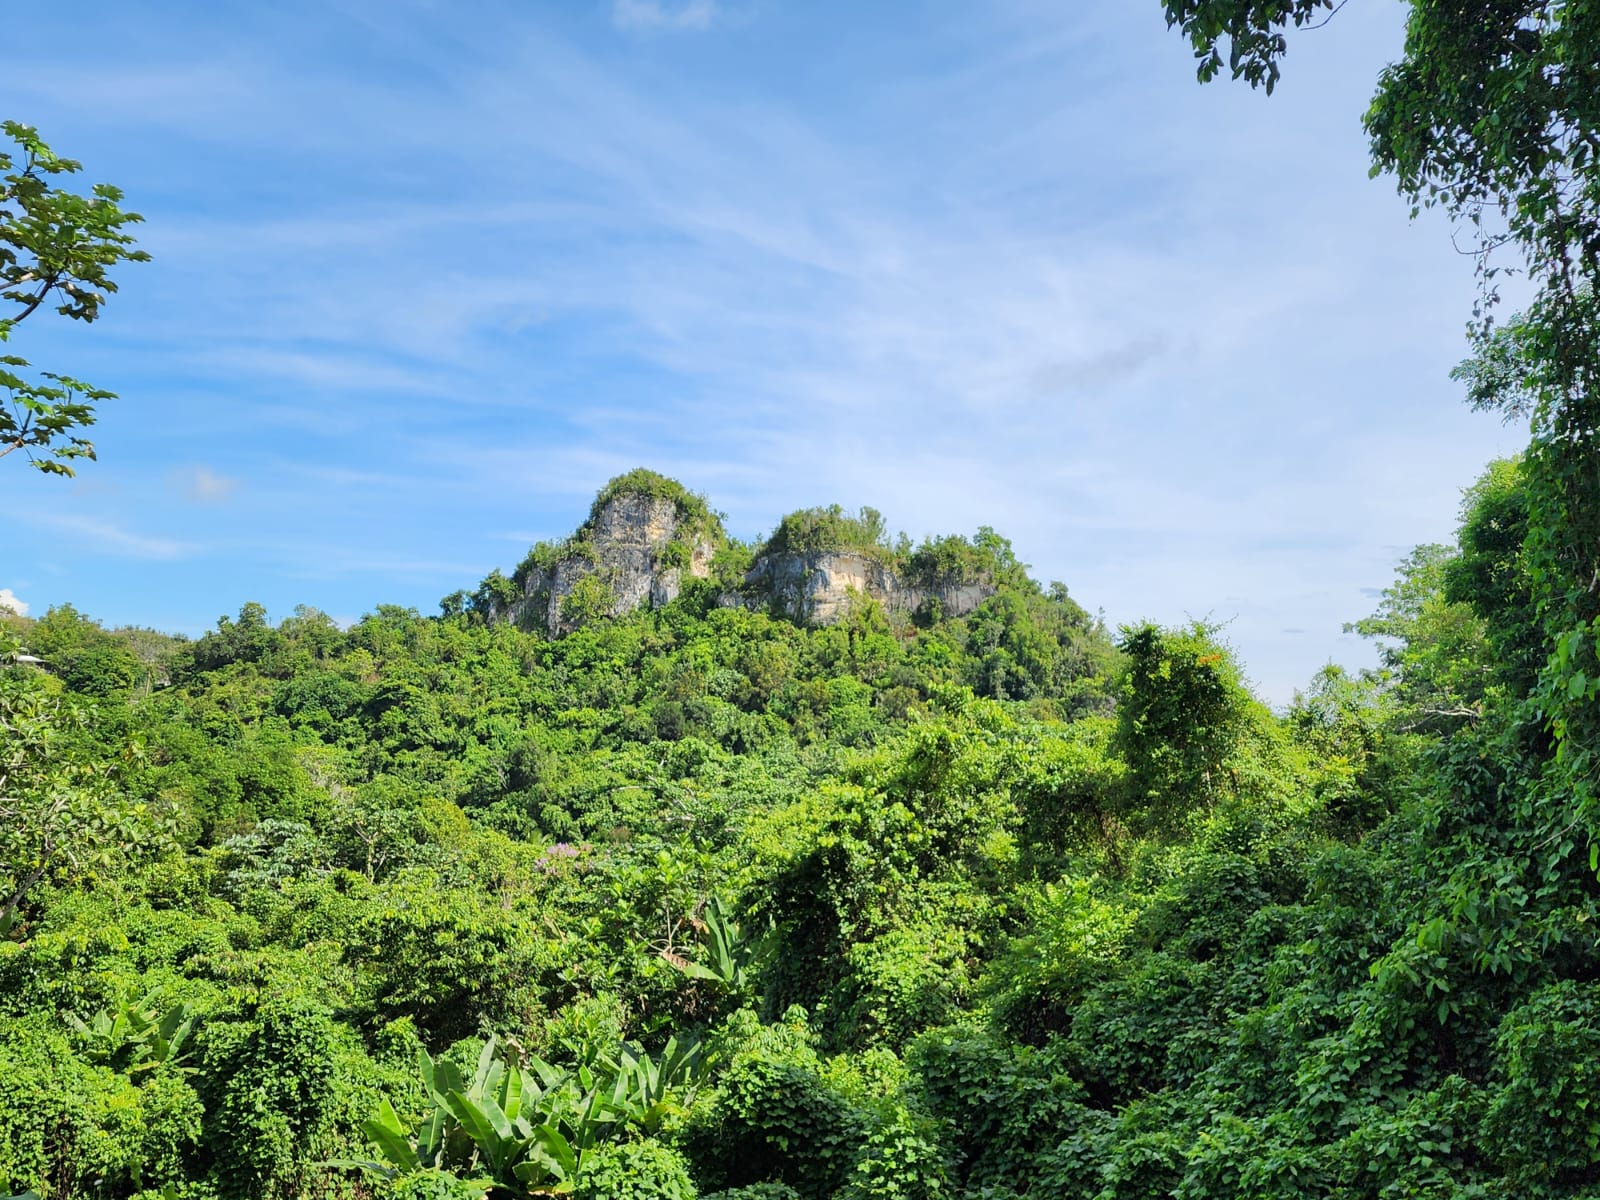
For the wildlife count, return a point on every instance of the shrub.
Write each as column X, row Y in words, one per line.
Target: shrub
column 1142, row 1030
column 632, row 1171
column 1542, row 1124
column 829, row 530
column 903, row 982
column 433, row 1185
column 1010, row 1111
column 775, row 1119
column 1073, row 940
column 756, row 1191
column 1183, row 713
column 899, row 1160
column 590, row 599
column 67, row 1128
column 1262, row 1159
column 269, row 1083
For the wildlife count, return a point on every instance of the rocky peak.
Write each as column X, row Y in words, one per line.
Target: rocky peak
column 644, row 533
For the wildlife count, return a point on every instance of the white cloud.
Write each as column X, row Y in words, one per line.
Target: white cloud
column 523, row 537
column 114, row 539
column 344, row 373
column 203, row 485
column 337, row 561
column 661, row 14
column 8, row 599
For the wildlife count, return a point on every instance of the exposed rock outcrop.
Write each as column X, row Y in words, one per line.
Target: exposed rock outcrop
column 646, row 536
column 817, row 587
column 634, row 551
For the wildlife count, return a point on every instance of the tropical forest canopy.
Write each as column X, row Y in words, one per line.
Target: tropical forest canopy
column 700, row 900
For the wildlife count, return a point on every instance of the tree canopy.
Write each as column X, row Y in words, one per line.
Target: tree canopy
column 1492, row 114
column 699, row 902
column 57, row 249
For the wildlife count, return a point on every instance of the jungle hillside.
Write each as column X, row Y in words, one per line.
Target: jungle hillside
column 835, row 864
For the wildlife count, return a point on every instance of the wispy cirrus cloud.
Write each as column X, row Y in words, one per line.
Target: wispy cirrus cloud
column 1003, row 265
column 110, row 537
column 636, row 15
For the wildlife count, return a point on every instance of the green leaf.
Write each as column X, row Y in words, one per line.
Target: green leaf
column 386, row 1132
column 479, row 1128
column 510, row 1093
column 486, row 1059
column 431, row 1136
column 345, row 1164
column 552, row 1149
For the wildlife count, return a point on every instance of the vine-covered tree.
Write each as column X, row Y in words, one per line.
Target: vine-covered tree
column 1492, row 114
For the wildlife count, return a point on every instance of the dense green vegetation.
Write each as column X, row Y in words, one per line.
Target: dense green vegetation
column 320, row 852
column 700, row 901
column 830, row 530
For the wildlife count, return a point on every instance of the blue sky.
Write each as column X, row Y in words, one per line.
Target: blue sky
column 426, row 274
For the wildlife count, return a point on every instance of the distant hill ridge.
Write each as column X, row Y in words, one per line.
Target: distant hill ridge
column 647, row 537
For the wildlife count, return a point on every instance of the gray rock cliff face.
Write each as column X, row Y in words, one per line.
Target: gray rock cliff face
column 640, row 545
column 624, row 549
column 818, row 587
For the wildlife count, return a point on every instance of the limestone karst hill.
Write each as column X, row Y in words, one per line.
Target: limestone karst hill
column 647, row 537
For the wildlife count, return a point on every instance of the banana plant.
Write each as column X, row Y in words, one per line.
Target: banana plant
column 506, row 1129
column 520, row 1126
column 646, row 1090
column 134, row 1038
column 731, row 957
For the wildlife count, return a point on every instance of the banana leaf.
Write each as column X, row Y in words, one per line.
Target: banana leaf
column 389, row 1136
